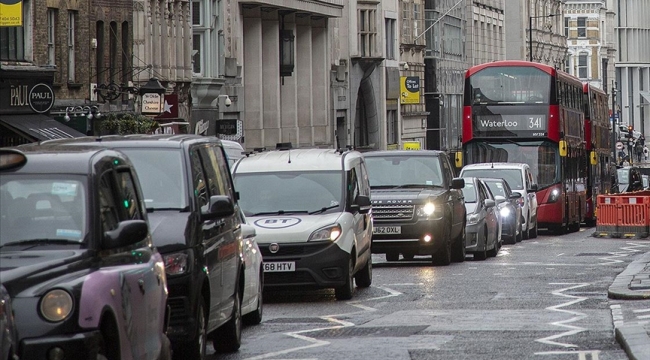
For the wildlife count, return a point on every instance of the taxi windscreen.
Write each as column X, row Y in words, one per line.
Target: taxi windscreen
column 42, row 207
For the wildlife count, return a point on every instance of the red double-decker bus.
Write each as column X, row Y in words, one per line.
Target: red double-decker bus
column 599, row 147
column 525, row 112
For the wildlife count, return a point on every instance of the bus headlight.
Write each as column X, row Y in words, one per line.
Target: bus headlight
column 555, row 194
column 56, row 305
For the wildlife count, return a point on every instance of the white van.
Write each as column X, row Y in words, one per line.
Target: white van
column 234, row 151
column 521, row 180
column 311, row 211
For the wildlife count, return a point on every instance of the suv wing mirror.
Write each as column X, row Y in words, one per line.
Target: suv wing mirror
column 533, row 187
column 127, row 232
column 514, row 195
column 362, row 204
column 220, row 206
column 457, row 183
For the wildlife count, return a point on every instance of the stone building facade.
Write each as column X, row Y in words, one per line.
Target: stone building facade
column 590, row 54
column 543, row 37
column 485, row 39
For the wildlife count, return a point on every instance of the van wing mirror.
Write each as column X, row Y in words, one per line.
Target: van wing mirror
column 362, row 203
column 127, row 232
column 457, row 183
column 220, row 206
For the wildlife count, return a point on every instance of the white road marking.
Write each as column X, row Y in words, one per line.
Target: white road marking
column 633, row 247
column 582, row 354
column 640, row 311
column 406, row 284
column 643, row 317
column 560, row 254
column 565, row 323
column 330, row 318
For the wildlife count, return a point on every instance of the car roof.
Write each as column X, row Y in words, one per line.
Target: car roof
column 48, row 159
column 138, row 140
column 499, row 165
column 231, row 144
column 382, row 153
column 297, row 160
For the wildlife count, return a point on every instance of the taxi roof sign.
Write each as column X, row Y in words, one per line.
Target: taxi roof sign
column 10, row 159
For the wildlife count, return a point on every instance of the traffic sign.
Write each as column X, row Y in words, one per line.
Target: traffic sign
column 619, row 145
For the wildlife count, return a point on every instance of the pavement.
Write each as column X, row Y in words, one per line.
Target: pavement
column 633, row 284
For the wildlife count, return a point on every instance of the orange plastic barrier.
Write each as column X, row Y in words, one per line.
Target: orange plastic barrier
column 623, row 215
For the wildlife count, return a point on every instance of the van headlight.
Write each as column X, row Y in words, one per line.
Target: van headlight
column 175, row 263
column 56, row 305
column 426, row 210
column 473, row 219
column 505, row 212
column 331, row 233
column 555, row 194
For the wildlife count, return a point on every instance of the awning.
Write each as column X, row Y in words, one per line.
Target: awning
column 645, row 95
column 39, row 127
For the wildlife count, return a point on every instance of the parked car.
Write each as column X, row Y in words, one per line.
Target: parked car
column 311, row 211
column 509, row 209
column 8, row 336
column 252, row 305
column 78, row 263
column 418, row 208
column 629, row 179
column 192, row 208
column 482, row 219
column 521, row 180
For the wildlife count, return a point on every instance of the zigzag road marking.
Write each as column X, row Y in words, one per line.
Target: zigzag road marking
column 313, row 343
column 582, row 354
column 565, row 323
column 627, row 250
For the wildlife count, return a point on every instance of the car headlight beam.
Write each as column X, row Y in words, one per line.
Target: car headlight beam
column 56, row 305
column 505, row 212
column 331, row 233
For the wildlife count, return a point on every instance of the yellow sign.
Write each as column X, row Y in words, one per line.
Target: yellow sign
column 11, row 13
column 411, row 145
column 409, row 88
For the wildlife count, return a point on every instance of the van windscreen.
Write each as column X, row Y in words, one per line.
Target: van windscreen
column 511, row 176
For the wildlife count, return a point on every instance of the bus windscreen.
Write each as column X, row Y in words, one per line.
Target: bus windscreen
column 510, row 85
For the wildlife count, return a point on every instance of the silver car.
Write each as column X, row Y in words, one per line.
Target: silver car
column 509, row 209
column 483, row 225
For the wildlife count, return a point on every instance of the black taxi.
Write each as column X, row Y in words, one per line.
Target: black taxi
column 77, row 261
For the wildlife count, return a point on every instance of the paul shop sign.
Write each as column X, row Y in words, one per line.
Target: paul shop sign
column 152, row 104
column 26, row 98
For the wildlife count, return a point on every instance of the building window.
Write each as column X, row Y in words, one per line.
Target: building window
column 392, row 127
column 71, row 45
column 12, row 39
column 126, row 53
column 197, row 53
column 582, row 66
column 582, row 27
column 99, row 32
column 566, row 27
column 367, row 32
column 406, row 23
column 416, row 21
column 390, row 39
column 51, row 36
column 197, row 11
column 112, row 51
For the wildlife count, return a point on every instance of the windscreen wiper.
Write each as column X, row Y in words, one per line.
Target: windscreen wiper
column 323, row 209
column 41, row 242
column 382, row 186
column 410, row 186
column 281, row 212
column 151, row 209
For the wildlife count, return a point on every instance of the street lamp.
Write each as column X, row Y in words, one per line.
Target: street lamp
column 530, row 32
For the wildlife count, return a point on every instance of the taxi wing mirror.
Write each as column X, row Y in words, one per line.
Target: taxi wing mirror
column 127, row 232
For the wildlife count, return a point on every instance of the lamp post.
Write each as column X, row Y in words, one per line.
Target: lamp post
column 530, row 32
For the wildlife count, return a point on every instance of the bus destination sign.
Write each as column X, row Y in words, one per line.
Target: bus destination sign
column 517, row 125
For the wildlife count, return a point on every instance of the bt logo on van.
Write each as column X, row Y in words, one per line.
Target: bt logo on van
column 277, row 222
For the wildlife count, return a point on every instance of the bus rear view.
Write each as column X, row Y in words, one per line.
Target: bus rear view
column 523, row 112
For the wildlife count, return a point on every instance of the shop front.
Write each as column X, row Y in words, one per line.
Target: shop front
column 26, row 98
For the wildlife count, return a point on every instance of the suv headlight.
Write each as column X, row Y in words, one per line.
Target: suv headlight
column 555, row 194
column 473, row 219
column 331, row 233
column 426, row 210
column 56, row 305
column 505, row 211
column 176, row 263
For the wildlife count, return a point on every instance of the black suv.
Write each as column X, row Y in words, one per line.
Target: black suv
column 417, row 206
column 191, row 204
